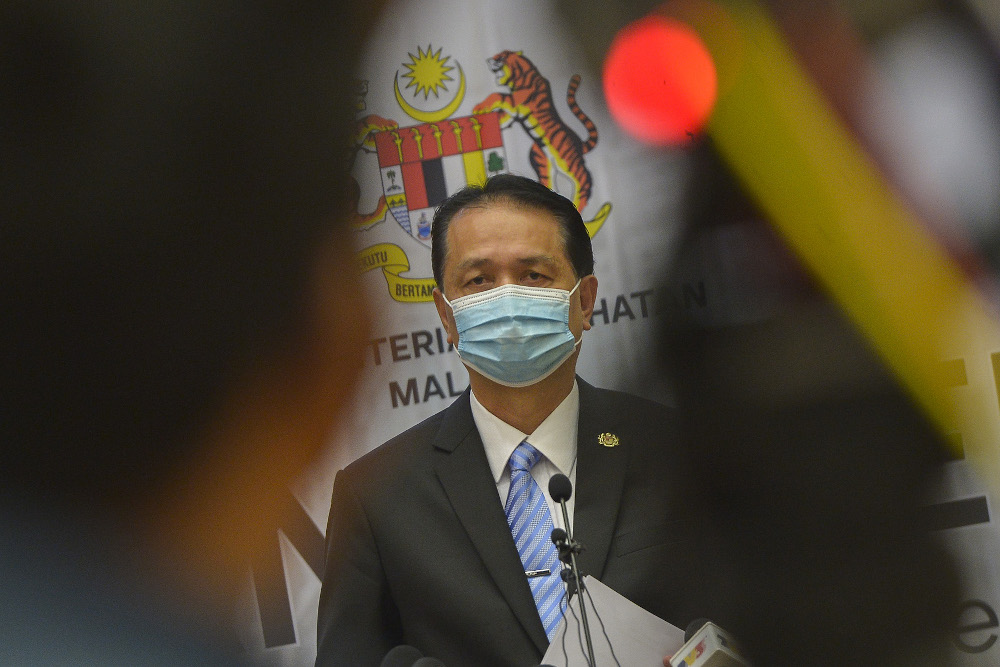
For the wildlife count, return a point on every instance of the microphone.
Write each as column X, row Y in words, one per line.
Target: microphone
column 707, row 645
column 560, row 488
column 403, row 655
column 566, row 548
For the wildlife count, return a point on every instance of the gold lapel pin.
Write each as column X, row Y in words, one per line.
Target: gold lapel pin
column 608, row 439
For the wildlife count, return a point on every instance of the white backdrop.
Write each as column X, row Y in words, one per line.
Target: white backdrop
column 444, row 45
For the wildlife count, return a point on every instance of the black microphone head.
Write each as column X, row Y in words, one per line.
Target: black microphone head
column 560, row 488
column 559, row 535
column 401, row 656
column 694, row 626
column 428, row 662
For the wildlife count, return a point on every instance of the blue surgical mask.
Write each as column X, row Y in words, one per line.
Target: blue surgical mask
column 515, row 335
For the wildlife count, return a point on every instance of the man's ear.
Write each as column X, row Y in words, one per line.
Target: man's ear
column 444, row 312
column 588, row 298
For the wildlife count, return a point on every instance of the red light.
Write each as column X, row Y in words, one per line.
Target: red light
column 659, row 80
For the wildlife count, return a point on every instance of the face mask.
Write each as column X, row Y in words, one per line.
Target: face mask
column 515, row 335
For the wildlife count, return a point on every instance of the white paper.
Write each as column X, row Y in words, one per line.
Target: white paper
column 637, row 638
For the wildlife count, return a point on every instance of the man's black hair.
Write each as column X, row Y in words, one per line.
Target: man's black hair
column 521, row 192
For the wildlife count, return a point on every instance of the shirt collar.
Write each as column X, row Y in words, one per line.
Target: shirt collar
column 555, row 437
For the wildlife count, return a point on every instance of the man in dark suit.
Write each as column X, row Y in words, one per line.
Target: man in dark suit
column 420, row 547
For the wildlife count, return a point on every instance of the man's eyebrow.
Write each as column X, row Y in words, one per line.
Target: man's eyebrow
column 474, row 263
column 537, row 259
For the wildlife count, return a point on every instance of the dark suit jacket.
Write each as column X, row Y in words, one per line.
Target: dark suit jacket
column 419, row 551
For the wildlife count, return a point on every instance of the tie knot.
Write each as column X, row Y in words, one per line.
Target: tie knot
column 524, row 457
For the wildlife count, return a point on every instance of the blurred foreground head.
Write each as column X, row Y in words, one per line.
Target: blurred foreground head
column 808, row 463
column 181, row 322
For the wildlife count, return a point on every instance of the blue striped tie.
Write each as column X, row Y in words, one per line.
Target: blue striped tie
column 531, row 525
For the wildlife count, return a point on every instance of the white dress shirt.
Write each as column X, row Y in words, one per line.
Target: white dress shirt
column 555, row 438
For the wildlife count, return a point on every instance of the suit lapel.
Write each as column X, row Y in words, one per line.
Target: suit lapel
column 600, row 478
column 464, row 473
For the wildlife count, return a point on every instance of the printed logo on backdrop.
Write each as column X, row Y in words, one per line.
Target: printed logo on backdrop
column 419, row 165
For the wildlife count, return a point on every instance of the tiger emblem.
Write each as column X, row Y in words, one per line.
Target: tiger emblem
column 556, row 147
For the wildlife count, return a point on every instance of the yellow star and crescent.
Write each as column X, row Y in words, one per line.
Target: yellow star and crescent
column 428, row 72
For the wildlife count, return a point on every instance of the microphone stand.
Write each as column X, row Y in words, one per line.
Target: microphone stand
column 567, row 554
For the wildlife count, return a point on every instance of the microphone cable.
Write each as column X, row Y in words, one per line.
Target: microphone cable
column 603, row 630
column 579, row 632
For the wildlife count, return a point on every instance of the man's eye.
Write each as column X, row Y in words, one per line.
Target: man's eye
column 478, row 280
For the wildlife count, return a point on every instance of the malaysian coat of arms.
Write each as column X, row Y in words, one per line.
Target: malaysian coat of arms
column 438, row 151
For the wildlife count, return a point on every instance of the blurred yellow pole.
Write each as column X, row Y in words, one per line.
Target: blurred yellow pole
column 833, row 206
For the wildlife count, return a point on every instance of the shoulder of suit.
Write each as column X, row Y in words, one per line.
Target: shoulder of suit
column 613, row 399
column 404, row 449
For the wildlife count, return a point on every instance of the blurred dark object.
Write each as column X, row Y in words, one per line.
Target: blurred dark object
column 181, row 322
column 169, row 172
column 807, row 461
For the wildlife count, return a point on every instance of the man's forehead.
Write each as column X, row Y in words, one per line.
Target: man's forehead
column 502, row 216
column 537, row 239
